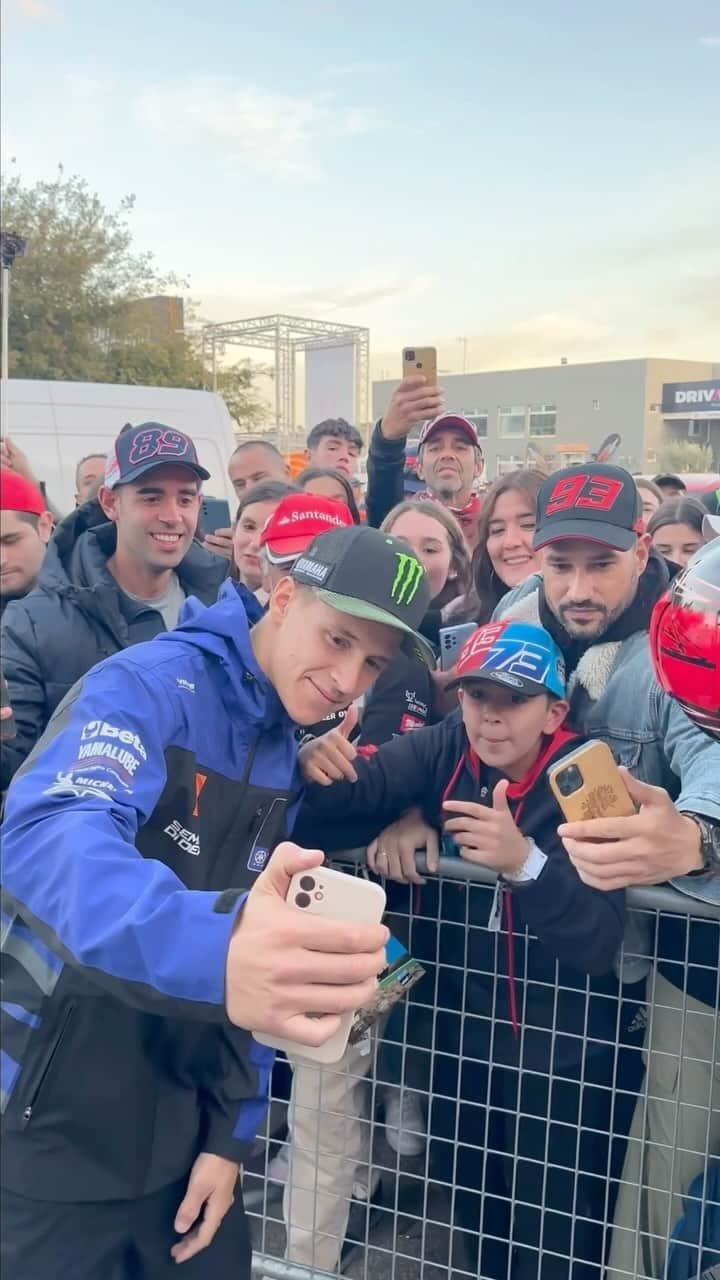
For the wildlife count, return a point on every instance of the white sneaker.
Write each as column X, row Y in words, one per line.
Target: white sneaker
column 405, row 1127
column 362, row 1190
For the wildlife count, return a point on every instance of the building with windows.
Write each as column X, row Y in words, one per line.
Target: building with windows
column 566, row 411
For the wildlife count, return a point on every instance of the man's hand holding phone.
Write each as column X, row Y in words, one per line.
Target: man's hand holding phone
column 648, row 847
column 411, row 402
column 220, row 543
column 284, row 965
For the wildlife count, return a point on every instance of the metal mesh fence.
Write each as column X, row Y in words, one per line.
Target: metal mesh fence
column 541, row 1126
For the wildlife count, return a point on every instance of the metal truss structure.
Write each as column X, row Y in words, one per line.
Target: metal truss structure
column 286, row 335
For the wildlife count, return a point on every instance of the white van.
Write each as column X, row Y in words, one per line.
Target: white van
column 58, row 423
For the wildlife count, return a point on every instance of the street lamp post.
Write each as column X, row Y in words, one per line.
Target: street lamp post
column 11, row 247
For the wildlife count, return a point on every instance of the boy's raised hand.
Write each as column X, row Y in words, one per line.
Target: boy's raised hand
column 487, row 835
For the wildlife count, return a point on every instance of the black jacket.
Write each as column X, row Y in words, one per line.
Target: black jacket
column 75, row 617
column 579, row 925
column 399, row 701
column 385, row 483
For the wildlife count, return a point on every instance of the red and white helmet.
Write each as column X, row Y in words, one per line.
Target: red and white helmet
column 685, row 639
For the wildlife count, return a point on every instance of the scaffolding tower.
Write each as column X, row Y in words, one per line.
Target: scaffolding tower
column 286, row 335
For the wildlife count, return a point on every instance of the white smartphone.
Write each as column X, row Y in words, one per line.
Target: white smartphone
column 332, row 895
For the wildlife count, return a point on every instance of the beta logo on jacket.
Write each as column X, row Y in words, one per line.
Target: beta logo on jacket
column 108, row 758
column 119, row 748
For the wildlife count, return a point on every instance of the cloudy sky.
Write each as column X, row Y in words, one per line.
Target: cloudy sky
column 539, row 179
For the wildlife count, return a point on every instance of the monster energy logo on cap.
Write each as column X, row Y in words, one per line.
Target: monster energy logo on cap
column 408, row 577
column 370, row 575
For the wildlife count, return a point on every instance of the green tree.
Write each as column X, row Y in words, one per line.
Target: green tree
column 684, row 455
column 76, row 309
column 236, row 385
column 176, row 360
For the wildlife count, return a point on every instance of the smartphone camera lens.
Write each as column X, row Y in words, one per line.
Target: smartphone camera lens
column 410, row 356
column 307, row 883
column 302, row 900
column 569, row 780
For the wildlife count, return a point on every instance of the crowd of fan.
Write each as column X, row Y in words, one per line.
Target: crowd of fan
column 118, row 570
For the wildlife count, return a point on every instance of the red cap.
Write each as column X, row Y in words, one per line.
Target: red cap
column 18, row 494
column 450, row 422
column 298, row 519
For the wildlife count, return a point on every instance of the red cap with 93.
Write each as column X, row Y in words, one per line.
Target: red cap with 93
column 592, row 502
column 298, row 519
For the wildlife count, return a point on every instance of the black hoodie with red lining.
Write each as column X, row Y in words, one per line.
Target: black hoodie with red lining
column 581, row 926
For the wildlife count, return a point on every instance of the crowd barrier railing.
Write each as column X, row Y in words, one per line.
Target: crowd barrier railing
column 513, row 1119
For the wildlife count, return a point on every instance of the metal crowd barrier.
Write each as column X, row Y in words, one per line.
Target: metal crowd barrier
column 570, row 1142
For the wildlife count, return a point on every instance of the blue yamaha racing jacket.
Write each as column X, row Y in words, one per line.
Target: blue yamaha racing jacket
column 132, row 834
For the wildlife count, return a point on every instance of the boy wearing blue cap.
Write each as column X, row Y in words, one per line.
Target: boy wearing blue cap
column 480, row 777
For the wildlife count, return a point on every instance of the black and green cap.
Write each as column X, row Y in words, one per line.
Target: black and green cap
column 370, row 575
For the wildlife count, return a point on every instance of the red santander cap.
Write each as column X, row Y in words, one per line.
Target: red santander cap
column 18, row 494
column 297, row 520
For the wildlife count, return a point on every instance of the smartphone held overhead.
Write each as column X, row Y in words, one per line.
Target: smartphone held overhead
column 420, row 360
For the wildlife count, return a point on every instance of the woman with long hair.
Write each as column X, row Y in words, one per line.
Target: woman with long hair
column 650, row 495
column 676, row 529
column 504, row 556
column 434, row 534
column 255, row 508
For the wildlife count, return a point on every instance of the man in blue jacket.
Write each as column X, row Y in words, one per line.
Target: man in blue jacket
column 135, row 961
